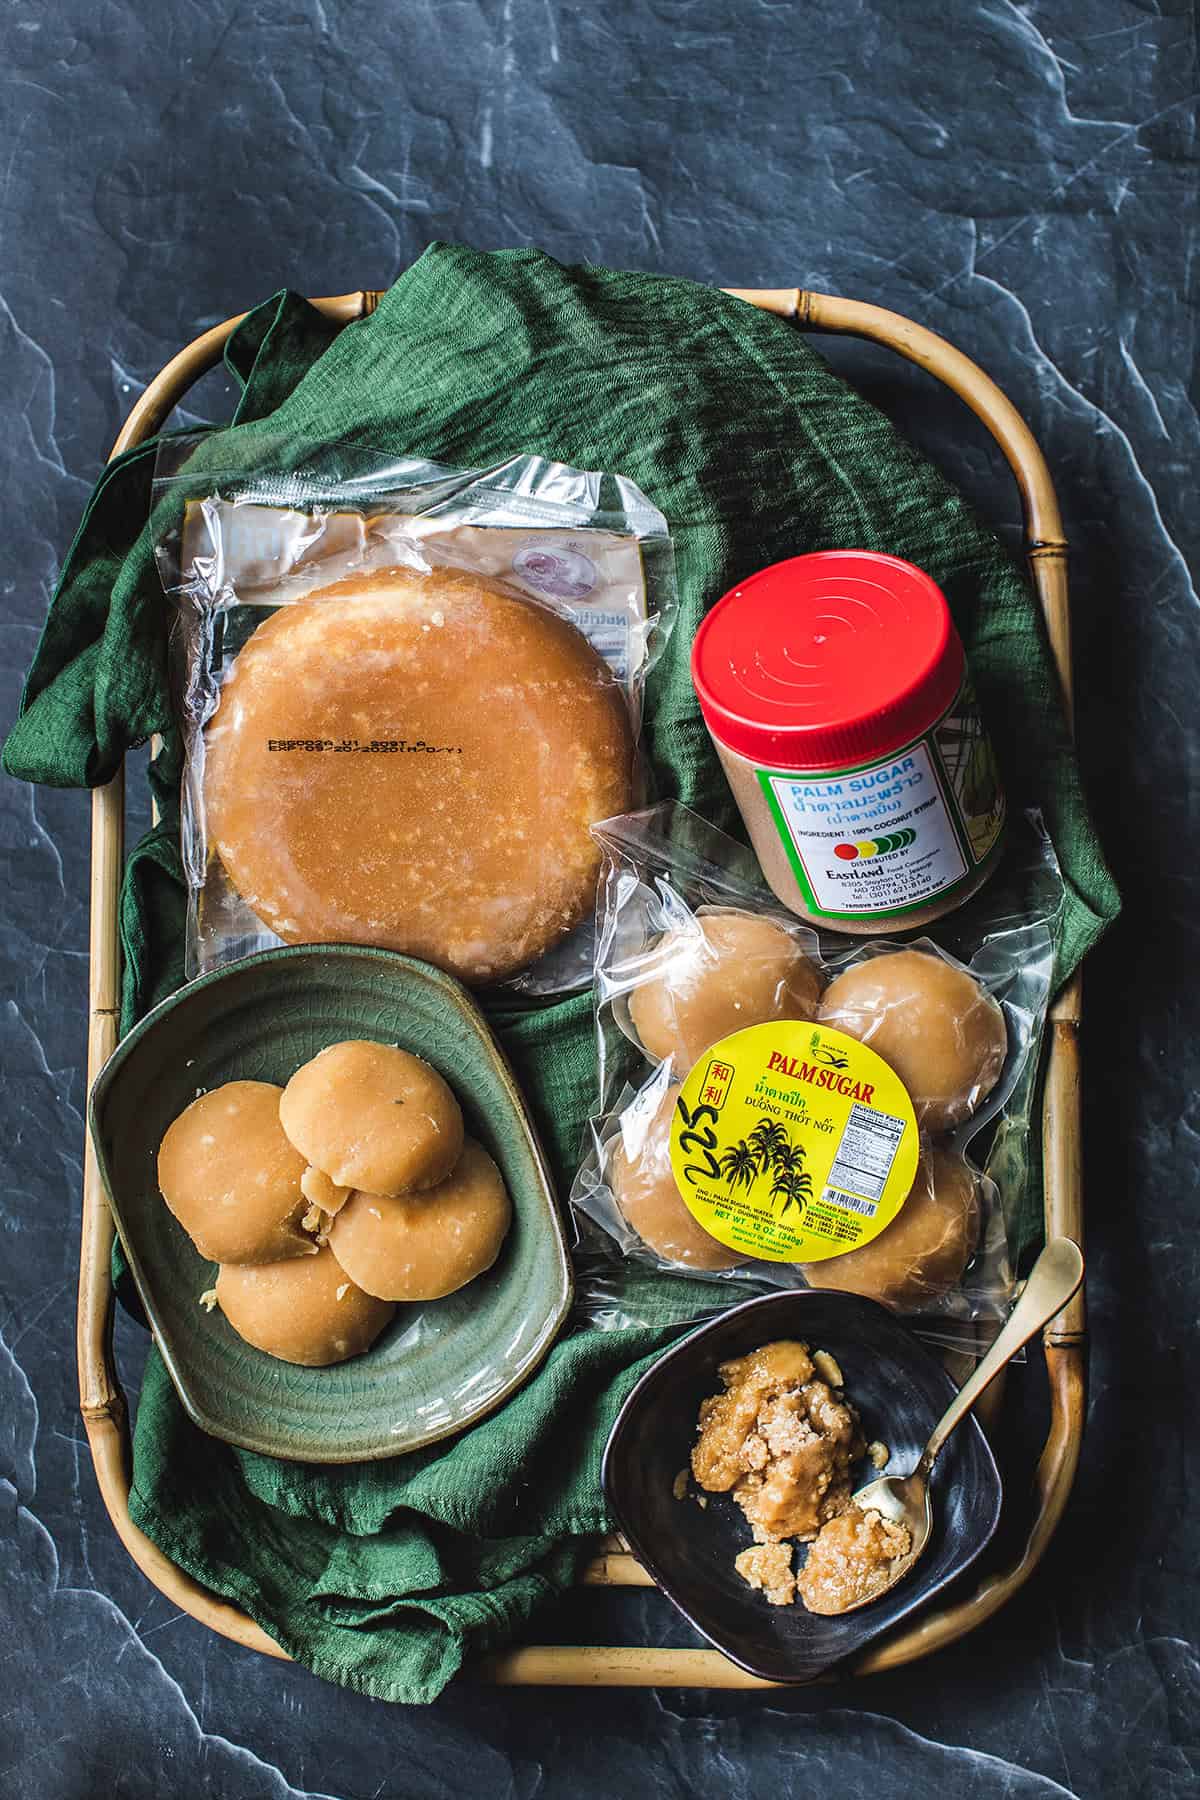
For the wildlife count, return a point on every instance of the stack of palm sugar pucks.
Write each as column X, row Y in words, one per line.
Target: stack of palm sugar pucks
column 327, row 1202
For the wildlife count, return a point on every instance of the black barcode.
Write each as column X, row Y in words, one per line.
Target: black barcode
column 835, row 1197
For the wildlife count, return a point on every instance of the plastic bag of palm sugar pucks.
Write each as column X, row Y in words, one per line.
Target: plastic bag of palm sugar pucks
column 783, row 1108
column 407, row 693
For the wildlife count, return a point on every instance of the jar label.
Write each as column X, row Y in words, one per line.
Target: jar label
column 792, row 1142
column 891, row 835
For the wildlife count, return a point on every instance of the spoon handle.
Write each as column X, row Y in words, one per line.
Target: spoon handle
column 1054, row 1277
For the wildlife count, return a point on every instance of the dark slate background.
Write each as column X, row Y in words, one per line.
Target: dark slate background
column 1020, row 177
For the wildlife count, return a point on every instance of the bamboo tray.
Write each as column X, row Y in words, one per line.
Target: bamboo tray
column 102, row 1401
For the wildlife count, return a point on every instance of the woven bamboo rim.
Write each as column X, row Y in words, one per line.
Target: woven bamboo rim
column 102, row 1401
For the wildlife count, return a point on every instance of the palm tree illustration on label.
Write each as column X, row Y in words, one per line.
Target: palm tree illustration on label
column 739, row 1165
column 769, row 1151
column 767, row 1139
column 789, row 1181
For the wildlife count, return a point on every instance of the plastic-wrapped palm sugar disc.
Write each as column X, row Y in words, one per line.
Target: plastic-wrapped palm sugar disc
column 932, row 1022
column 304, row 1311
column 644, row 1189
column 415, row 761
column 728, row 970
column 424, row 1246
column 921, row 1255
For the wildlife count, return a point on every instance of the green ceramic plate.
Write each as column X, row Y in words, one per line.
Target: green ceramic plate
column 440, row 1365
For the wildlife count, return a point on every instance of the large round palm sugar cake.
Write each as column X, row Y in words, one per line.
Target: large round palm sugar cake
column 415, row 761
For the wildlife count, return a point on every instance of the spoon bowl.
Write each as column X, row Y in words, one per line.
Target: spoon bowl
column 902, row 1500
column 901, row 1389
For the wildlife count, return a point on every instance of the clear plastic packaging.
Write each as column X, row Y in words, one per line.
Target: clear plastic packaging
column 690, row 941
column 405, row 693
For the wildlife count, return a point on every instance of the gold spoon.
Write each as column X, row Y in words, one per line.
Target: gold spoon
column 904, row 1499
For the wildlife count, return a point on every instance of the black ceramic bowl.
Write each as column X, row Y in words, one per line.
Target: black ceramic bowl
column 900, row 1389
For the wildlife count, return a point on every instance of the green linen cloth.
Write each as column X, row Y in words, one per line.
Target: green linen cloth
column 386, row 1576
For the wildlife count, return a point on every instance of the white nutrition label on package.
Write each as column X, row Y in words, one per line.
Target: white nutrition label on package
column 865, row 1155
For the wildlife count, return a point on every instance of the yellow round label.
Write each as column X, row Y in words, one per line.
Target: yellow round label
column 793, row 1143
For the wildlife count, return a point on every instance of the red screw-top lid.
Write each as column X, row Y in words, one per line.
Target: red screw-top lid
column 827, row 659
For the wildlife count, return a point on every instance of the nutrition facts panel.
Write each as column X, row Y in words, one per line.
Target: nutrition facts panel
column 867, row 1151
